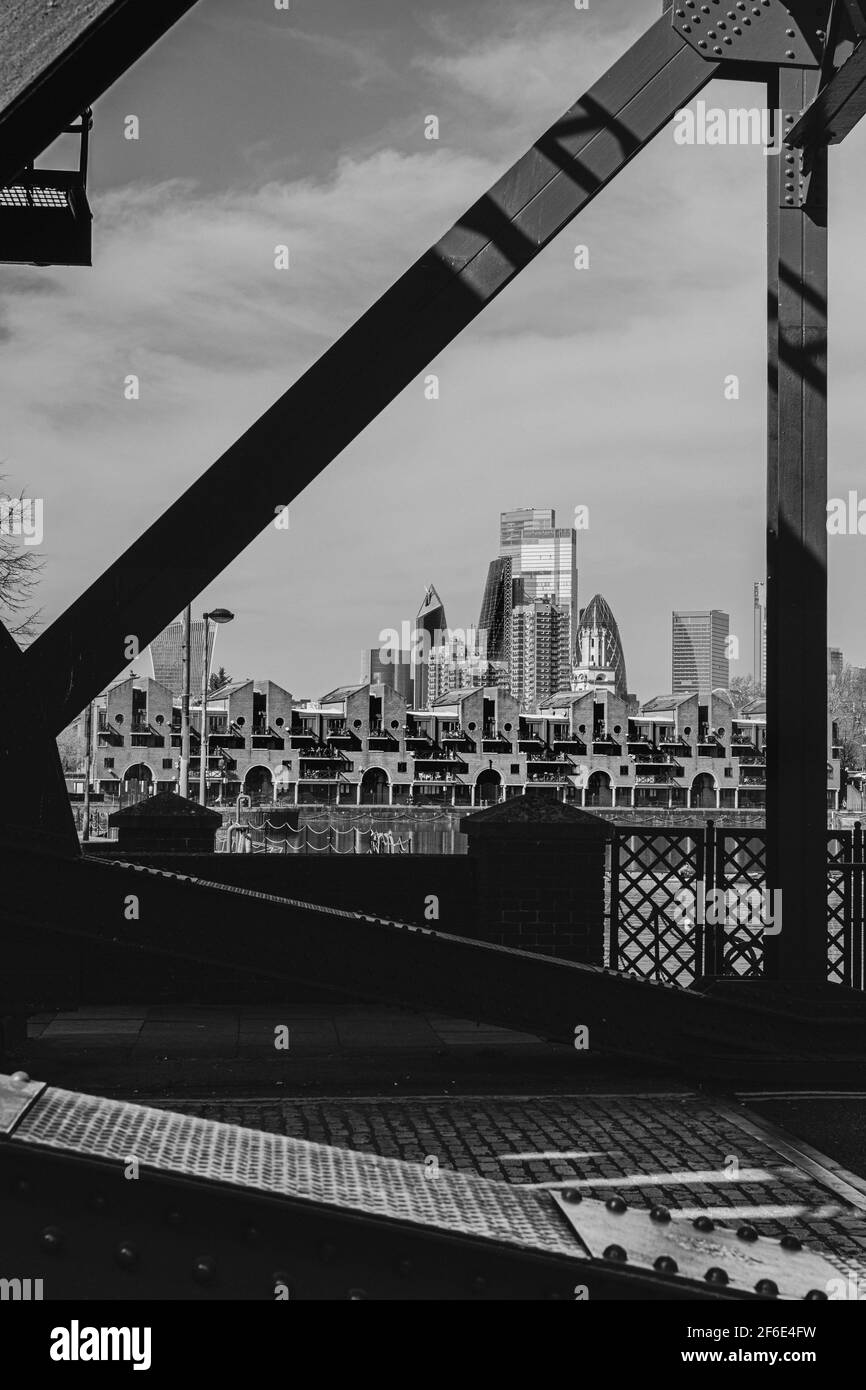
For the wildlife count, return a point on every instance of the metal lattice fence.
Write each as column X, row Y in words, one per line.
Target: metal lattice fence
column 690, row 902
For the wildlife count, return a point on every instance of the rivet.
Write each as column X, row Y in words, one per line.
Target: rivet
column 51, row 1240
column 702, row 44
column 722, row 24
column 479, row 1283
column 791, row 1243
column 203, row 1269
column 711, row 34
column 717, row 50
column 126, row 1256
column 816, row 1296
column 97, row 1202
column 616, row 1252
column 617, row 1204
column 173, row 1218
column 356, row 1296
column 703, row 1223
column 716, row 1276
column 790, row 33
column 660, row 1214
column 687, row 28
column 789, row 200
column 571, row 1195
column 665, row 1265
column 729, row 41
column 737, row 29
column 19, row 1078
column 681, row 14
column 790, row 53
column 327, row 1252
column 22, row 1187
column 789, row 120
column 767, row 1287
column 404, row 1268
column 251, row 1235
column 747, row 1233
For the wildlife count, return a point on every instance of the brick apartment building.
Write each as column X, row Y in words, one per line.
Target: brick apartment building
column 365, row 745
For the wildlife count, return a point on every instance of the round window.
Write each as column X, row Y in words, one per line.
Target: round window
column 721, row 731
column 279, row 723
column 118, row 719
column 356, row 723
column 472, row 728
column 507, row 728
column 160, row 719
column 581, row 728
column 687, row 729
column 240, row 721
column 617, row 728
column 395, row 723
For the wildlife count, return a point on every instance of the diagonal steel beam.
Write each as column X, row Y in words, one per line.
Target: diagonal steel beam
column 362, row 373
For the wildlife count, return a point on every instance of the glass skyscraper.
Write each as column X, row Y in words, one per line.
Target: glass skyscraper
column 699, row 652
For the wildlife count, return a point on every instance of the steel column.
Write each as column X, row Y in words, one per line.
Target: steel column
column 362, row 373
column 797, row 545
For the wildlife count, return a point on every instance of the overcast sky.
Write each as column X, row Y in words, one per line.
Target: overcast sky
column 602, row 388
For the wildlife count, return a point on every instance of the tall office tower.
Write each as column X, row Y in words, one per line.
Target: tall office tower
column 599, row 649
column 494, row 621
column 759, row 653
column 699, row 659
column 430, row 629
column 543, row 568
column 166, row 654
column 513, row 524
column 835, row 661
column 381, row 664
column 540, row 652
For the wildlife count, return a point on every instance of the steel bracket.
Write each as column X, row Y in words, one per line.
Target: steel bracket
column 660, row 1242
column 766, row 32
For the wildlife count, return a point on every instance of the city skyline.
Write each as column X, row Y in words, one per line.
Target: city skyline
column 569, row 383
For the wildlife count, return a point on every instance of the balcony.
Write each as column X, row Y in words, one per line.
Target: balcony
column 381, row 737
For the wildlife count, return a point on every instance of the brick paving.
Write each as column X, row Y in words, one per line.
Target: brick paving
column 676, row 1150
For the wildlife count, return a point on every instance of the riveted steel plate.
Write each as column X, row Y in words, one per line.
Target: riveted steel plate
column 16, row 1097
column 745, row 1262
column 275, row 1165
column 754, row 31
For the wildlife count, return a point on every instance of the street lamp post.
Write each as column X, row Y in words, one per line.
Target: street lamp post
column 184, row 702
column 218, row 615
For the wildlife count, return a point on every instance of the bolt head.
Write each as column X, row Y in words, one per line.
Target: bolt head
column 51, row 1240
column 791, row 1243
column 716, row 1276
column 747, row 1233
column 660, row 1214
column 19, row 1078
column 767, row 1287
column 572, row 1196
column 126, row 1255
column 616, row 1253
column 617, row 1205
column 703, row 1223
column 204, row 1269
column 665, row 1265
column 816, row 1296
